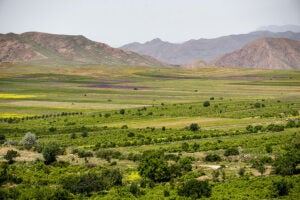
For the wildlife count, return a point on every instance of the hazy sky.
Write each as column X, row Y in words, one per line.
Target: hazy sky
column 117, row 22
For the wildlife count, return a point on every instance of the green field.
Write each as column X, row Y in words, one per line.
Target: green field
column 105, row 118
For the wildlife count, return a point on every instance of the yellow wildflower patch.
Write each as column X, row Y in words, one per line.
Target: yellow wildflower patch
column 14, row 115
column 16, row 96
column 132, row 176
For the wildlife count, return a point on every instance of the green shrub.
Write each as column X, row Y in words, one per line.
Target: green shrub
column 153, row 165
column 185, row 163
column 195, row 189
column 11, row 155
column 194, row 127
column 92, row 182
column 50, row 151
column 84, row 154
column 206, row 104
column 281, row 187
column 29, row 140
column 231, row 151
column 212, row 158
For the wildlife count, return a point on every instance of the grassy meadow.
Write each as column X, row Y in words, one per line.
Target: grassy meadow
column 105, row 118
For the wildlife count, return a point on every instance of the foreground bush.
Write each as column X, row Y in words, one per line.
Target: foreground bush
column 92, row 182
column 195, row 189
column 50, row 151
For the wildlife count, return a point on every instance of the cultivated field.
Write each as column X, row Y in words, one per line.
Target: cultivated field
column 234, row 130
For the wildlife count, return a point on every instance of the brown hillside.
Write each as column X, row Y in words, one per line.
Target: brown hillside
column 269, row 53
column 35, row 47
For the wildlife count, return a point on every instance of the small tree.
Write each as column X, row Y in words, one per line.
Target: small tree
column 10, row 155
column 153, row 165
column 29, row 140
column 206, row 103
column 122, row 111
column 50, row 151
column 194, row 127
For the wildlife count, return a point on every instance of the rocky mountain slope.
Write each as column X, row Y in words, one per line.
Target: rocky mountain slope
column 270, row 53
column 36, row 47
column 202, row 49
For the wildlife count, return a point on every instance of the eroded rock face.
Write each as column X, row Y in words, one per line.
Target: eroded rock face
column 270, row 53
column 57, row 49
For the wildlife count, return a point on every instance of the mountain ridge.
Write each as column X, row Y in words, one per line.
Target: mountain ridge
column 201, row 49
column 38, row 47
column 268, row 53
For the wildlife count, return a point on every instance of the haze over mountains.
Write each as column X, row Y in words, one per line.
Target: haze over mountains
column 44, row 48
column 202, row 49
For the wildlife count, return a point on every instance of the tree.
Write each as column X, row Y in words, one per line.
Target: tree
column 195, row 189
column 194, row 127
column 29, row 140
column 50, row 151
column 153, row 165
column 206, row 103
column 10, row 155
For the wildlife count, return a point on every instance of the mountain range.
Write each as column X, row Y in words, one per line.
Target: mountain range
column 44, row 48
column 202, row 49
column 280, row 50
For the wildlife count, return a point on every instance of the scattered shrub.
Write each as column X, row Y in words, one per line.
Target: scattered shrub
column 194, row 127
column 11, row 155
column 195, row 189
column 29, row 140
column 231, row 151
column 212, row 158
column 206, row 103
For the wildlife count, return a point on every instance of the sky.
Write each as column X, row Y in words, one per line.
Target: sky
column 118, row 22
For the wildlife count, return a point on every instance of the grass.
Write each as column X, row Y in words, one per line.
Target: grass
column 58, row 104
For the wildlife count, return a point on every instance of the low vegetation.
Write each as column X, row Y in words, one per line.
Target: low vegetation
column 178, row 135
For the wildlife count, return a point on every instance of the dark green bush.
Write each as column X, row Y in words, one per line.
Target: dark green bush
column 154, row 166
column 195, row 189
column 194, row 127
column 281, row 187
column 206, row 103
column 11, row 155
column 50, row 151
column 231, row 151
column 212, row 158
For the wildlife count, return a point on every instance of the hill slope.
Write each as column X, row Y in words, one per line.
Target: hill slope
column 279, row 53
column 202, row 49
column 35, row 47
